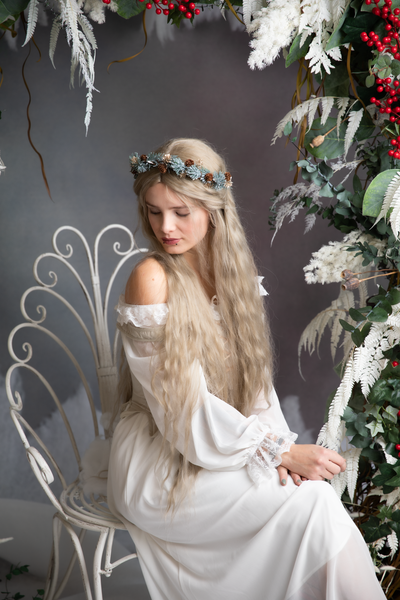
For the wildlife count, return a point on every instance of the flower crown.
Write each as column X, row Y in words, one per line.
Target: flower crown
column 167, row 163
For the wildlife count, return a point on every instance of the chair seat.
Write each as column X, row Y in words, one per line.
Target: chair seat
column 88, row 513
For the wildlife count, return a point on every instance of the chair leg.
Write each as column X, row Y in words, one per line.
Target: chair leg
column 52, row 572
column 98, row 592
column 81, row 560
column 70, row 567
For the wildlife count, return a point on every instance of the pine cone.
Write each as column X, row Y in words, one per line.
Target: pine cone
column 162, row 168
column 228, row 176
column 143, row 157
column 208, row 177
column 189, row 162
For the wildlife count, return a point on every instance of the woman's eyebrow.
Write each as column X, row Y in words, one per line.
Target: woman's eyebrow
column 172, row 207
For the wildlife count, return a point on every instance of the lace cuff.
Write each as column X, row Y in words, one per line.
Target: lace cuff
column 266, row 455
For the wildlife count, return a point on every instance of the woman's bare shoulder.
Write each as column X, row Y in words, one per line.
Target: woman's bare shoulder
column 147, row 284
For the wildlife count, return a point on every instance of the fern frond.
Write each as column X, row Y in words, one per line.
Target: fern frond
column 352, row 457
column 353, row 124
column 393, row 543
column 339, row 483
column 54, row 33
column 339, row 403
column 33, row 14
column 306, row 108
column 390, row 193
column 87, row 30
column 341, row 103
column 327, row 104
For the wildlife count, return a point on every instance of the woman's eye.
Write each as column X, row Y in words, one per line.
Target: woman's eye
column 153, row 212
column 185, row 215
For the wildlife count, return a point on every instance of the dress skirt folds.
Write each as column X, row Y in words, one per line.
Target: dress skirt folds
column 239, row 534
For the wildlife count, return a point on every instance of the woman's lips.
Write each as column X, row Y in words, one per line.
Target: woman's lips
column 170, row 241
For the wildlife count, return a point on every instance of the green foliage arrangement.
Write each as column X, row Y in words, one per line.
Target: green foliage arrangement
column 363, row 416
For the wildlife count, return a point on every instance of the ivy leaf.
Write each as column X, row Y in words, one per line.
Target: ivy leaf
column 11, row 8
column 375, row 427
column 391, row 413
column 374, row 530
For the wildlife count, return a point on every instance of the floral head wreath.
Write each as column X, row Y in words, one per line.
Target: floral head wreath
column 167, row 163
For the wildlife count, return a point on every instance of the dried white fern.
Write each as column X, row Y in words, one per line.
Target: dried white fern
column 342, row 104
column 327, row 105
column 306, row 108
column 33, row 14
column 352, row 457
column 54, row 33
column 338, row 404
column 390, row 195
column 353, row 124
column 290, row 209
column 393, row 543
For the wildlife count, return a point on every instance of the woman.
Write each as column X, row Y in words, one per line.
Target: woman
column 220, row 502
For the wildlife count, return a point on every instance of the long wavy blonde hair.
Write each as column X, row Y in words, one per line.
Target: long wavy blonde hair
column 234, row 352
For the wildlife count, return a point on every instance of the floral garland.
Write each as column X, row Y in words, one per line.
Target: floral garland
column 167, row 163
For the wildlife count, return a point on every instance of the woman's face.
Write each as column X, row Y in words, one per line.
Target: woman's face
column 176, row 225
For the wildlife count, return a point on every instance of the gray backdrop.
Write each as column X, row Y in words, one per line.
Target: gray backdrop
column 197, row 85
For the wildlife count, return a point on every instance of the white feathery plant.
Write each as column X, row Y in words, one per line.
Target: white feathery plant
column 276, row 25
column 80, row 37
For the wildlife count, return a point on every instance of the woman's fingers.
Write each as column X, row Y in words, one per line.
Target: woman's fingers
column 283, row 475
column 296, row 478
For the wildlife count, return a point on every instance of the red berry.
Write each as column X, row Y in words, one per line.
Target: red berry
column 188, row 15
column 372, row 100
column 397, row 446
column 395, row 364
column 393, row 142
column 388, row 27
column 158, row 11
column 368, row 2
column 197, row 11
column 166, row 11
column 379, row 88
column 192, row 6
column 106, row 1
column 399, row 454
column 149, row 5
column 376, row 11
column 397, row 11
column 182, row 8
column 171, row 6
column 398, row 414
column 392, row 119
column 370, row 43
column 391, row 152
column 379, row 80
column 382, row 110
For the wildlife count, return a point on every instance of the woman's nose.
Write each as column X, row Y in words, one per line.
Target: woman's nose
column 168, row 223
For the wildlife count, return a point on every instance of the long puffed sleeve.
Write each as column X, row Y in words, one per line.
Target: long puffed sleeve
column 220, row 437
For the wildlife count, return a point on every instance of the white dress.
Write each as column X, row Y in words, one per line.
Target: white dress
column 240, row 535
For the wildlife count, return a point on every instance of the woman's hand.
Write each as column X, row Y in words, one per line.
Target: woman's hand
column 308, row 461
column 284, row 475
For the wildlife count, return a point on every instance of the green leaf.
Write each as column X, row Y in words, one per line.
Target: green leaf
column 375, row 427
column 370, row 81
column 346, row 326
column 326, row 191
column 357, row 187
column 360, row 441
column 357, row 337
column 394, row 481
column 129, row 8
column 325, row 169
column 391, row 413
column 374, row 530
column 378, row 315
column 296, row 52
column 288, row 128
column 352, row 28
column 338, row 35
column 11, row 8
column 394, row 296
column 332, row 147
column 373, row 198
column 356, row 315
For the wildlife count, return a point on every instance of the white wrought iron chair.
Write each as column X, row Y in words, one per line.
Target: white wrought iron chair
column 73, row 509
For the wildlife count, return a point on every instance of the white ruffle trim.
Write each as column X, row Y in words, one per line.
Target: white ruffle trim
column 266, row 455
column 261, row 288
column 141, row 315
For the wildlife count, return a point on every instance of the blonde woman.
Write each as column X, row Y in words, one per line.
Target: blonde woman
column 220, row 502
